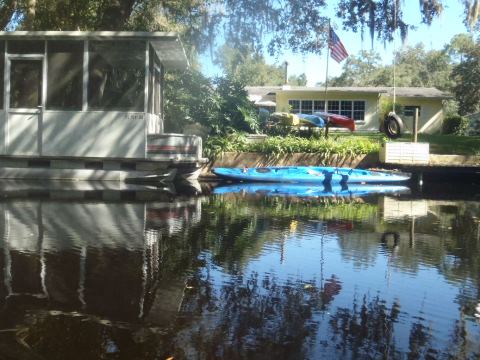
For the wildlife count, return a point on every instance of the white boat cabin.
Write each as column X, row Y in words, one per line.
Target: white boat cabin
column 83, row 94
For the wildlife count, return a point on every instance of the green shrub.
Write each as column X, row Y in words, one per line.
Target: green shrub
column 279, row 145
column 455, row 124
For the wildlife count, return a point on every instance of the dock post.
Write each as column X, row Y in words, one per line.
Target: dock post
column 412, row 232
column 415, row 126
column 420, row 180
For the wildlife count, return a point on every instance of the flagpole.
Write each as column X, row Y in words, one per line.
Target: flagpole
column 326, row 71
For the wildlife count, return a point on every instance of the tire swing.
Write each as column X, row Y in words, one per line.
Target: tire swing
column 393, row 126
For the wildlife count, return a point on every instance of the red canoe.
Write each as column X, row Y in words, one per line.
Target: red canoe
column 336, row 120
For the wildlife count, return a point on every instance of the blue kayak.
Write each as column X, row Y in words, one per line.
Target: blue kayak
column 306, row 190
column 309, row 174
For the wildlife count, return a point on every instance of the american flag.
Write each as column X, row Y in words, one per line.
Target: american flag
column 337, row 50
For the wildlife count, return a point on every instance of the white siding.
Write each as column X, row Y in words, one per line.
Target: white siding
column 94, row 134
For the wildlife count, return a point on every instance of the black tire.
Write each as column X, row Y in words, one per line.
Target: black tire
column 393, row 126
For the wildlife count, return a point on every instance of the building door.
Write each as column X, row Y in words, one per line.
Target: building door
column 24, row 106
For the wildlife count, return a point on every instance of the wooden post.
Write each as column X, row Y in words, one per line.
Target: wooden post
column 415, row 125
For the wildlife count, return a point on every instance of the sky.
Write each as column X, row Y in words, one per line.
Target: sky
column 436, row 36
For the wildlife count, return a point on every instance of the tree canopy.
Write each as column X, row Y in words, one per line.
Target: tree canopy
column 300, row 26
column 248, row 66
column 414, row 67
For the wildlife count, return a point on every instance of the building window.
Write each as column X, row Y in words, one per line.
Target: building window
column 307, row 106
column 346, row 108
column 410, row 110
column 116, row 75
column 333, row 106
column 65, row 75
column 359, row 110
column 294, row 106
column 318, row 105
column 353, row 109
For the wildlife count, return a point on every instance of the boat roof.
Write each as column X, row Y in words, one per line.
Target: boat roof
column 167, row 45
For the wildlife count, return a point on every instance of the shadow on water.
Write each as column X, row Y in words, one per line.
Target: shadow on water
column 91, row 271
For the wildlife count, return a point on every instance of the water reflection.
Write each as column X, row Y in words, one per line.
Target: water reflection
column 146, row 273
column 310, row 190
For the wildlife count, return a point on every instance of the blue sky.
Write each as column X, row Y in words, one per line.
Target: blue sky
column 436, row 36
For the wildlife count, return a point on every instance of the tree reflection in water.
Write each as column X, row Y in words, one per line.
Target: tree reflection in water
column 255, row 317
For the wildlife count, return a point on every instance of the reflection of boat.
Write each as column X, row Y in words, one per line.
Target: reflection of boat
column 77, row 254
column 303, row 190
column 309, row 174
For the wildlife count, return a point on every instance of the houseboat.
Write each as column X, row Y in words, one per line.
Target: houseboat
column 89, row 105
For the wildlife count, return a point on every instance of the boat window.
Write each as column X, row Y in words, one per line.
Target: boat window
column 157, row 88
column 25, row 84
column 263, row 170
column 2, row 67
column 116, row 75
column 155, row 84
column 26, row 47
column 65, row 75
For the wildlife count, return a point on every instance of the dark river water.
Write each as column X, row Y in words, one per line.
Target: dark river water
column 239, row 272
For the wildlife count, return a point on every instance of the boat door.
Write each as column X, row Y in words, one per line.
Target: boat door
column 24, row 105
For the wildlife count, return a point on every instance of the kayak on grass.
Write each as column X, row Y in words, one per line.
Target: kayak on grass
column 309, row 174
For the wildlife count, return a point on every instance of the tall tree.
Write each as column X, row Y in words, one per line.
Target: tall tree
column 360, row 70
column 298, row 80
column 413, row 67
column 245, row 65
column 467, row 80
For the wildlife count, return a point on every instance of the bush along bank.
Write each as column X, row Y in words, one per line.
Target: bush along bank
column 277, row 145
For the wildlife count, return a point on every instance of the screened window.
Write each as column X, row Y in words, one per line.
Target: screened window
column 307, row 106
column 26, row 47
column 116, row 75
column 294, row 106
column 334, row 106
column 2, row 67
column 318, row 105
column 25, row 84
column 155, row 84
column 157, row 88
column 65, row 75
column 410, row 110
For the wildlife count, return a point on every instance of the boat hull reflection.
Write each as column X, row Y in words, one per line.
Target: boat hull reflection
column 308, row 190
column 69, row 251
